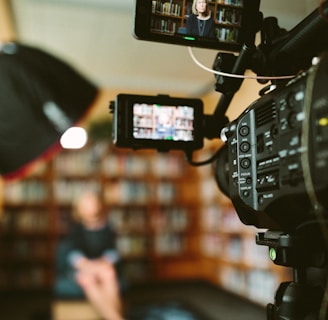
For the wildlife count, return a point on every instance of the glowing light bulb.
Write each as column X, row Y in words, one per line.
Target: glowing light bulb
column 74, row 138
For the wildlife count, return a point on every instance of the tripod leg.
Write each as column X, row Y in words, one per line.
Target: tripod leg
column 295, row 301
column 273, row 309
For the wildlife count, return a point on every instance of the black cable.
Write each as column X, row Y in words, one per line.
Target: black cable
column 201, row 163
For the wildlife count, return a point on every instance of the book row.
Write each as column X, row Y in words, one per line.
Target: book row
column 237, row 3
column 166, row 8
column 115, row 192
column 175, row 8
column 240, row 250
column 86, row 164
column 257, row 285
column 134, row 219
column 25, row 220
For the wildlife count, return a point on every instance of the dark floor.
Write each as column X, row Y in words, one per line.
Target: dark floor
column 208, row 302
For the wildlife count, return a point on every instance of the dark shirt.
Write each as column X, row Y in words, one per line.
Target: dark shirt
column 83, row 242
column 197, row 27
column 92, row 243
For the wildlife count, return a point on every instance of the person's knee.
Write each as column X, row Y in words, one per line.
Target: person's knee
column 108, row 272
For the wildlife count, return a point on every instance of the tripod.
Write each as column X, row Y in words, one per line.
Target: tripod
column 301, row 298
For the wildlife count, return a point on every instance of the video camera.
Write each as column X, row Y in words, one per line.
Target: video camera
column 274, row 163
column 274, row 147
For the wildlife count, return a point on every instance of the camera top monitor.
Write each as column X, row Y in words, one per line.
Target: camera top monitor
column 198, row 23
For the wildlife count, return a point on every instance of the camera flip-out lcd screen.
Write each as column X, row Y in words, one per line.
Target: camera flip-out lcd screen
column 207, row 24
column 159, row 122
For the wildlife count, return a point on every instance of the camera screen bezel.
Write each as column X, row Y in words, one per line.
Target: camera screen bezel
column 124, row 125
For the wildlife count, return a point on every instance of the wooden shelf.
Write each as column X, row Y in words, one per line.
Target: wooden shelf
column 172, row 221
column 148, row 197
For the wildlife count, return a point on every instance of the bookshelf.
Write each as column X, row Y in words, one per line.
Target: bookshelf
column 149, row 197
column 169, row 17
column 151, row 201
column 25, row 233
column 171, row 219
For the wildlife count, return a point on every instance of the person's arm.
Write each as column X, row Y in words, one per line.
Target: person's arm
column 111, row 255
column 212, row 31
column 189, row 24
column 76, row 258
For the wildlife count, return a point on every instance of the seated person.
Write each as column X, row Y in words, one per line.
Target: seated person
column 200, row 23
column 88, row 258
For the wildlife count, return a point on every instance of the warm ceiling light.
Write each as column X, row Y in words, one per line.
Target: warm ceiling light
column 74, row 138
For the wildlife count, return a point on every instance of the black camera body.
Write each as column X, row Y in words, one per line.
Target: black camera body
column 277, row 154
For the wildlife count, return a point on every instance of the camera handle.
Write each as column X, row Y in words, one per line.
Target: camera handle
column 298, row 299
column 225, row 62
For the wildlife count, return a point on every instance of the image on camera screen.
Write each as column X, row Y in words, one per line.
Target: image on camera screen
column 161, row 122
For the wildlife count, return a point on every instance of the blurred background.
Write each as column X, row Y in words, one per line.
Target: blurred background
column 177, row 232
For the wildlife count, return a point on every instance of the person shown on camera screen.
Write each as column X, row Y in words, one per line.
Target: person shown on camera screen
column 200, row 23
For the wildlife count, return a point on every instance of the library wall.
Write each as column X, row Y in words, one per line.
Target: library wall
column 151, row 199
column 1, row 198
column 165, row 230
column 6, row 25
column 173, row 221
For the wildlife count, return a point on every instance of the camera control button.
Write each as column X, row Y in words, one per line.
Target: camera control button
column 246, row 193
column 292, row 120
column 261, row 200
column 294, row 99
column 244, row 147
column 291, row 100
column 245, row 163
column 244, row 131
